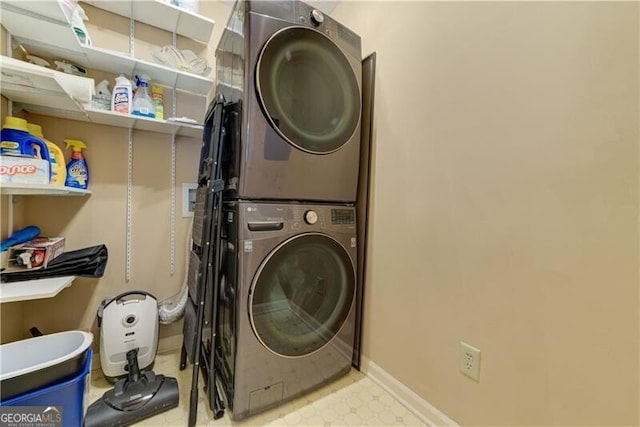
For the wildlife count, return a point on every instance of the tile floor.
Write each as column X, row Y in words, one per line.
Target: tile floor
column 353, row 400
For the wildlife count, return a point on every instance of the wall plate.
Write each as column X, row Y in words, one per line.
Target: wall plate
column 188, row 199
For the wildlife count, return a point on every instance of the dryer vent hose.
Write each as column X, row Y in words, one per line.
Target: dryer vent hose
column 171, row 310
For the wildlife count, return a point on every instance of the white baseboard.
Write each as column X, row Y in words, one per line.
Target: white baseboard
column 425, row 411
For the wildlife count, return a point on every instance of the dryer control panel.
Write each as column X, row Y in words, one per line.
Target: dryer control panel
column 308, row 15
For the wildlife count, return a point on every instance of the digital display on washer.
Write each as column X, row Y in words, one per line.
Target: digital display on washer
column 343, row 216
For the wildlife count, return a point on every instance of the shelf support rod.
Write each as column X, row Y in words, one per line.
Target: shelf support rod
column 174, row 96
column 10, row 199
column 172, row 250
column 172, row 226
column 132, row 32
column 127, row 275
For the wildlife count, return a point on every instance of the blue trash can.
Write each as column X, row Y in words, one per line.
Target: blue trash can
column 70, row 397
column 37, row 363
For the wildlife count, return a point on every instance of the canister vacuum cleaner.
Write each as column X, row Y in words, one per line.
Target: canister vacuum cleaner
column 127, row 321
column 129, row 340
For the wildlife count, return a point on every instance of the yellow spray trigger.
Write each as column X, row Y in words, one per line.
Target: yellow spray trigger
column 76, row 144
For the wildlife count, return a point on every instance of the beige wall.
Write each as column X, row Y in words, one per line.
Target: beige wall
column 505, row 209
column 101, row 217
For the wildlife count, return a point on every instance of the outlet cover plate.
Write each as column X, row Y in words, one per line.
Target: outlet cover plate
column 188, row 199
column 470, row 361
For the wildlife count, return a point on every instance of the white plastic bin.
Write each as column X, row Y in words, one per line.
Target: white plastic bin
column 39, row 362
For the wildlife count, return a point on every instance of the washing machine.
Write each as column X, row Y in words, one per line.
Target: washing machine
column 294, row 75
column 286, row 308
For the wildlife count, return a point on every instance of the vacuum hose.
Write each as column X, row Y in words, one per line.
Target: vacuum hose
column 171, row 310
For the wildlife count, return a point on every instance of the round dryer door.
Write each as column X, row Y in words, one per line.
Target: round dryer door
column 301, row 295
column 308, row 90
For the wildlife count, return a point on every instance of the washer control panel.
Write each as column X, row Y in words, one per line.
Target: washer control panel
column 269, row 217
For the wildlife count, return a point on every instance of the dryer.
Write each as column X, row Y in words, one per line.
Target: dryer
column 294, row 75
column 286, row 315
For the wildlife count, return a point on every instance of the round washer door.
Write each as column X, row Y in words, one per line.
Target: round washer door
column 308, row 90
column 301, row 295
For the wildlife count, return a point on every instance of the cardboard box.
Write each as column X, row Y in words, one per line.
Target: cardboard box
column 36, row 253
column 23, row 170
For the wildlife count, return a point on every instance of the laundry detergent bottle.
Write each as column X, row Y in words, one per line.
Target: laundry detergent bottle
column 17, row 141
column 56, row 157
column 77, row 169
column 121, row 97
column 142, row 103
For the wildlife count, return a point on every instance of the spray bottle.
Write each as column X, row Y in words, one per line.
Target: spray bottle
column 77, row 170
column 78, row 16
column 142, row 103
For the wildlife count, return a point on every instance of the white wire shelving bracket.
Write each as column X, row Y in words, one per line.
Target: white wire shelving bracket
column 129, row 225
column 172, row 214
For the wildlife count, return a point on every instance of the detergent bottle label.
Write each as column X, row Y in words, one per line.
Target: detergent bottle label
column 77, row 173
column 121, row 101
column 54, row 169
column 18, row 169
column 10, row 147
column 23, row 170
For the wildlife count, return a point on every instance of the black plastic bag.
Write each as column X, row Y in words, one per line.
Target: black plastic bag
column 87, row 262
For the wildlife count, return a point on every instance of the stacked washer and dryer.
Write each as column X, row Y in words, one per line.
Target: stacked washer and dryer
column 291, row 81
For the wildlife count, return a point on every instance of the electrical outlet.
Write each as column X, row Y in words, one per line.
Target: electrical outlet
column 470, row 361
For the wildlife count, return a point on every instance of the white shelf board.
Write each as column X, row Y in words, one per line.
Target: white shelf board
column 143, row 123
column 161, row 15
column 29, row 22
column 108, row 60
column 185, row 129
column 53, row 11
column 52, row 38
column 110, row 118
column 41, row 90
column 79, row 115
column 34, row 289
column 27, row 83
column 118, row 62
column 49, row 15
column 194, row 83
column 231, row 41
column 40, row 190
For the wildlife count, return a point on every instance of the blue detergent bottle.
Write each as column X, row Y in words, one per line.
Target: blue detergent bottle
column 15, row 140
column 77, row 169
